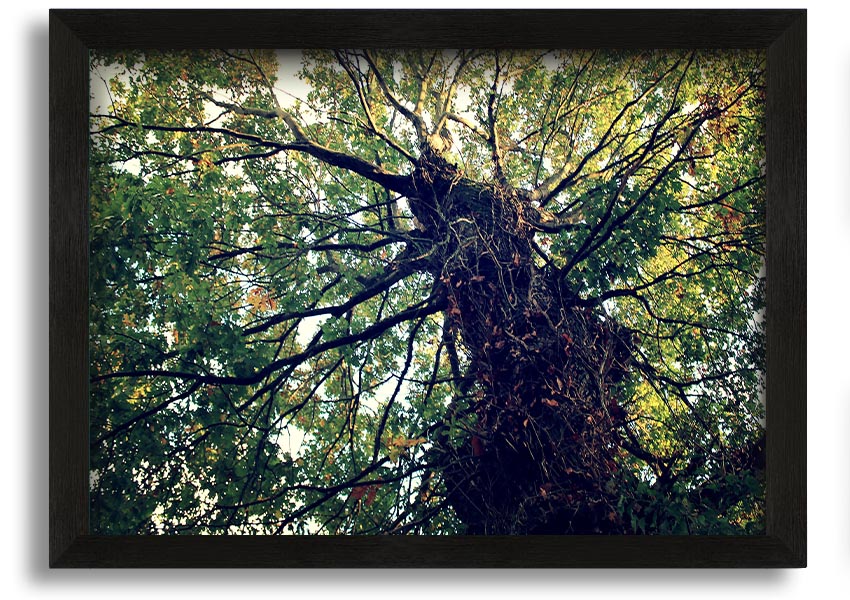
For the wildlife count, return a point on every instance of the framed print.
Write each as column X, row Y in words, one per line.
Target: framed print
column 422, row 288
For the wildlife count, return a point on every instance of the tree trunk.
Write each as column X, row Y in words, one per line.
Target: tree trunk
column 537, row 408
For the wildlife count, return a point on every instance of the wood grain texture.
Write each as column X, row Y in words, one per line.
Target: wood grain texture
column 786, row 289
column 68, row 264
column 428, row 28
column 427, row 551
column 782, row 33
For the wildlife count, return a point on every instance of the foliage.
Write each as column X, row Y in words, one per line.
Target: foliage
column 427, row 292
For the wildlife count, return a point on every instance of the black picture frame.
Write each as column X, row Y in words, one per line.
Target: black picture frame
column 781, row 32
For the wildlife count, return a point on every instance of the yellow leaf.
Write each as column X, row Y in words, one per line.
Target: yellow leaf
column 398, row 445
column 139, row 394
column 260, row 300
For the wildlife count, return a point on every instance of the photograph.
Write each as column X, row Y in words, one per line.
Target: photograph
column 427, row 292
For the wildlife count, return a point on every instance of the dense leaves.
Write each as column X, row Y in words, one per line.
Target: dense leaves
column 427, row 292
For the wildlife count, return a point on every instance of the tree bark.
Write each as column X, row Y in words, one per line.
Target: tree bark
column 538, row 405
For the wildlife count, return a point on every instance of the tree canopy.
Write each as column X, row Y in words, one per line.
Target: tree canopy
column 427, row 292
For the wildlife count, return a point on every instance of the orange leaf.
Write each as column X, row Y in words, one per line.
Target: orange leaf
column 477, row 446
column 359, row 491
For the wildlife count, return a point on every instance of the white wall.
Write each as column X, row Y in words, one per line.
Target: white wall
column 23, row 290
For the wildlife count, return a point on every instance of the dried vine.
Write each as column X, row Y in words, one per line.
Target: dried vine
column 538, row 454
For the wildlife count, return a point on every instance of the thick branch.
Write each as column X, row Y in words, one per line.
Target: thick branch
column 401, row 184
column 428, row 307
column 492, row 128
column 338, row 310
column 414, row 117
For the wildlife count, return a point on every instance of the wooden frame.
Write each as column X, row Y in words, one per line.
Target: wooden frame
column 781, row 32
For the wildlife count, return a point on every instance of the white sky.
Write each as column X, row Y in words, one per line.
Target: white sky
column 289, row 85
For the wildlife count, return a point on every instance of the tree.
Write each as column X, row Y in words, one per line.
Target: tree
column 437, row 292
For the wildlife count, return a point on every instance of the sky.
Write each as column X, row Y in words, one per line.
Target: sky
column 25, row 308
